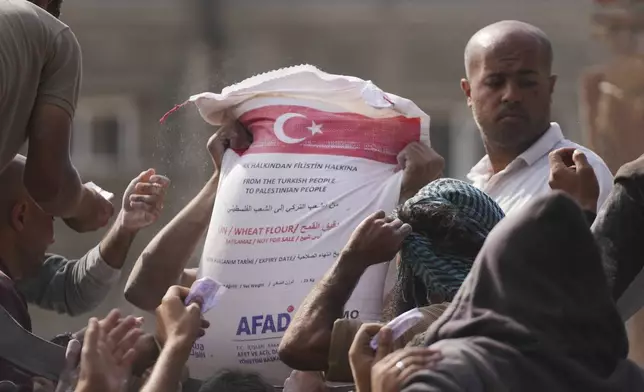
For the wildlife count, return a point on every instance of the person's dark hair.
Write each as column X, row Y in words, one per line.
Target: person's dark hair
column 440, row 223
column 236, row 381
column 444, row 225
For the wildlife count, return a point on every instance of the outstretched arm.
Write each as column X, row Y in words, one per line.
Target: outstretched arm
column 306, row 344
column 162, row 262
column 78, row 286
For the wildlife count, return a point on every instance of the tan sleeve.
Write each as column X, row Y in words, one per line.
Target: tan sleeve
column 344, row 331
column 61, row 75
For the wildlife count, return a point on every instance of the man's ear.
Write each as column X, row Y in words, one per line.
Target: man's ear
column 467, row 90
column 18, row 215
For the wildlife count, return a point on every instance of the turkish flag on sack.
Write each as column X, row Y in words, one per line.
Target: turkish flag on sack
column 305, row 130
column 323, row 158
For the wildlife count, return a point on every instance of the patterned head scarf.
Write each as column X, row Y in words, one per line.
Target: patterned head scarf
column 451, row 220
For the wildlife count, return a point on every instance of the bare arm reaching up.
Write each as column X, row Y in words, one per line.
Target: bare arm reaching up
column 162, row 262
column 307, row 341
column 178, row 327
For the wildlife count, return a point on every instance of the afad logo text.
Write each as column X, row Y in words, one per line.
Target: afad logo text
column 273, row 323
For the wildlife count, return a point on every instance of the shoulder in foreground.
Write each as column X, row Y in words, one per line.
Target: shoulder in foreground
column 29, row 16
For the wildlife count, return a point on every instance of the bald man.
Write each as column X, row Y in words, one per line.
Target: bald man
column 509, row 85
column 51, row 281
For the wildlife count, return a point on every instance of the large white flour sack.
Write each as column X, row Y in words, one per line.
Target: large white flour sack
column 323, row 158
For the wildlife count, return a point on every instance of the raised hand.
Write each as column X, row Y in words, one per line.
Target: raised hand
column 230, row 135
column 108, row 353
column 570, row 172
column 377, row 239
column 143, row 200
column 178, row 323
column 421, row 165
column 92, row 213
column 391, row 373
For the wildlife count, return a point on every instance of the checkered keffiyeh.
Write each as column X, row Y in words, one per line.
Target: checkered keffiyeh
column 441, row 270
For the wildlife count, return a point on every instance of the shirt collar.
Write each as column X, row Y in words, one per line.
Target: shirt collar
column 543, row 146
column 537, row 150
column 481, row 169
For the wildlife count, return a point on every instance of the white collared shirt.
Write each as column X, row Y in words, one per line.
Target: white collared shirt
column 527, row 176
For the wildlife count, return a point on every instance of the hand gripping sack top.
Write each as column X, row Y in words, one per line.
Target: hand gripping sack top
column 323, row 158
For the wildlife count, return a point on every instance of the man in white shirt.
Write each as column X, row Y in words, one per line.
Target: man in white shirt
column 509, row 88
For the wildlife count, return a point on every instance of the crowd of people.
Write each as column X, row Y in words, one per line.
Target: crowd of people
column 516, row 273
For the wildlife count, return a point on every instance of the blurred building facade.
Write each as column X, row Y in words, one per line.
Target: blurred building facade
column 141, row 58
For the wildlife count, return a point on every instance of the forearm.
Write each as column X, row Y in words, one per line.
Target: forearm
column 72, row 287
column 57, row 192
column 116, row 244
column 164, row 259
column 168, row 370
column 95, row 273
column 50, row 177
column 89, row 283
column 305, row 346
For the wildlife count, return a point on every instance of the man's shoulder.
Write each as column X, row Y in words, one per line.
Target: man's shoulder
column 21, row 16
column 52, row 265
column 598, row 164
column 590, row 154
